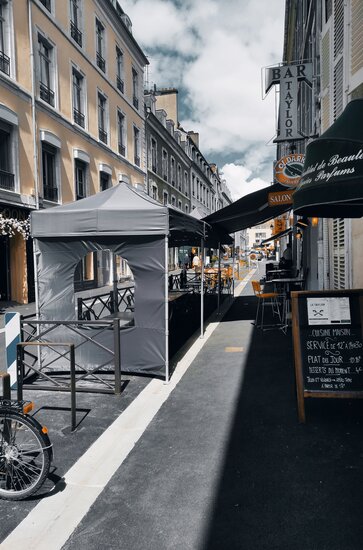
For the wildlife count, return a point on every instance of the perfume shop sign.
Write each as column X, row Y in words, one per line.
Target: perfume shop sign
column 335, row 167
column 289, row 77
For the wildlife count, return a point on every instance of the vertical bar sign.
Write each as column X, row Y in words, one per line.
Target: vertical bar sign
column 12, row 338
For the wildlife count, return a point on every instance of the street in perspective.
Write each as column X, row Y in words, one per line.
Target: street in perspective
column 181, row 276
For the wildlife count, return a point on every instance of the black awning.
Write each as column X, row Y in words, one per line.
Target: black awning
column 248, row 211
column 277, row 235
column 331, row 184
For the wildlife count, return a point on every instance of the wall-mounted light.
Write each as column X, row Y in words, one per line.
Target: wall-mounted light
column 314, row 222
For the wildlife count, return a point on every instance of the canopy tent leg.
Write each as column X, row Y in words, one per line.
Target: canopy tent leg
column 219, row 278
column 202, row 291
column 166, row 310
column 233, row 266
column 114, row 278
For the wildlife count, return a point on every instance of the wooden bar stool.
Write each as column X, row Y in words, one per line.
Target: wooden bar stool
column 271, row 298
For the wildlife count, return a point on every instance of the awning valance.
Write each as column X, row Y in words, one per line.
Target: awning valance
column 331, row 184
column 248, row 211
column 277, row 235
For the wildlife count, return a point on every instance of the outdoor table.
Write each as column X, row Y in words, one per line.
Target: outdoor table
column 126, row 317
column 285, row 283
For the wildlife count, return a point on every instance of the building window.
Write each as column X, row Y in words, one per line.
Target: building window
column 179, row 178
column 105, row 181
column 135, row 89
column 4, row 35
column 46, row 70
column 49, row 168
column 78, row 98
column 180, row 205
column 187, row 209
column 100, row 46
column 102, row 118
column 46, row 4
column 153, row 155
column 165, row 198
column 121, row 127
column 154, row 192
column 193, row 185
column 136, row 146
column 119, row 70
column 173, row 202
column 80, row 178
column 7, row 177
column 75, row 10
column 186, row 183
column 165, row 165
column 172, row 170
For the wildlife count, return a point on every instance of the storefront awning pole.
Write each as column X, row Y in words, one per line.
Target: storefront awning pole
column 166, row 310
column 202, row 291
column 233, row 264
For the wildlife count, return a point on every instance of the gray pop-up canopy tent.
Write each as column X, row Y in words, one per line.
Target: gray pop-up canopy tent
column 129, row 224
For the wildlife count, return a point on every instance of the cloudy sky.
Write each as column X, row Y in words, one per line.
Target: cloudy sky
column 213, row 52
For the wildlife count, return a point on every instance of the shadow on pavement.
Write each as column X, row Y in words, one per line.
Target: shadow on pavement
column 285, row 485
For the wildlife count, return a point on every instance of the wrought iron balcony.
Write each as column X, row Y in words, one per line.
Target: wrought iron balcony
column 120, row 84
column 102, row 135
column 76, row 34
column 7, row 181
column 101, row 63
column 46, row 94
column 135, row 102
column 50, row 193
column 121, row 149
column 78, row 117
column 4, row 63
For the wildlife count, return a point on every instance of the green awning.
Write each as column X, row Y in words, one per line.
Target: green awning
column 331, row 184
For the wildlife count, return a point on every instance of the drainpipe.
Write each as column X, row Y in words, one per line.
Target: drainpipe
column 35, row 150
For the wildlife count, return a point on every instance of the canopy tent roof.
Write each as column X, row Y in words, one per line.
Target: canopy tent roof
column 119, row 210
column 331, row 184
column 277, row 235
column 248, row 211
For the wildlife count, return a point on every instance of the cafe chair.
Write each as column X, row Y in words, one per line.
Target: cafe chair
column 263, row 298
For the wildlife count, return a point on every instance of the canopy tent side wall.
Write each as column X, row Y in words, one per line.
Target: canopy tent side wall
column 143, row 346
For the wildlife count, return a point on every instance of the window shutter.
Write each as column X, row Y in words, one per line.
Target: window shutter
column 357, row 36
column 338, row 27
column 339, row 278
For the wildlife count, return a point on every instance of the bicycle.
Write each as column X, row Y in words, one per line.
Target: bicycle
column 25, row 451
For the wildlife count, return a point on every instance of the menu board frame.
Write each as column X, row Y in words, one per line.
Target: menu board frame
column 333, row 313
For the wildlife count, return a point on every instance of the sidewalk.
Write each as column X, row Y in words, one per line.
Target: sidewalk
column 224, row 463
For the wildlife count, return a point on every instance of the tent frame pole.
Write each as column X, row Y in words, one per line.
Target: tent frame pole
column 166, row 310
column 202, row 290
column 233, row 266
column 219, row 278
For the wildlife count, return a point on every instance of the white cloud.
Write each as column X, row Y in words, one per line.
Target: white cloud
column 214, row 50
column 239, row 180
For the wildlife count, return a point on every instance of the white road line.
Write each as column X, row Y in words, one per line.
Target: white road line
column 50, row 524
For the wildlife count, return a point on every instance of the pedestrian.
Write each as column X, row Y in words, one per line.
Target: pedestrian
column 286, row 259
column 186, row 261
column 196, row 262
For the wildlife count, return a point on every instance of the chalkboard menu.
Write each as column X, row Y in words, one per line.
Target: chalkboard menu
column 328, row 344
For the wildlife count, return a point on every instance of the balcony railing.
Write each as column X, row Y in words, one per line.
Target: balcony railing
column 101, row 63
column 135, row 102
column 7, row 181
column 78, row 117
column 50, row 193
column 4, row 63
column 46, row 94
column 120, row 84
column 121, row 149
column 76, row 34
column 102, row 135
column 137, row 160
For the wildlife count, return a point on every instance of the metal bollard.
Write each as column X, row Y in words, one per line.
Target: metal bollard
column 5, row 392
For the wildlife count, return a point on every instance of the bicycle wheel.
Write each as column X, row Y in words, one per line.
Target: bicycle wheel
column 25, row 456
